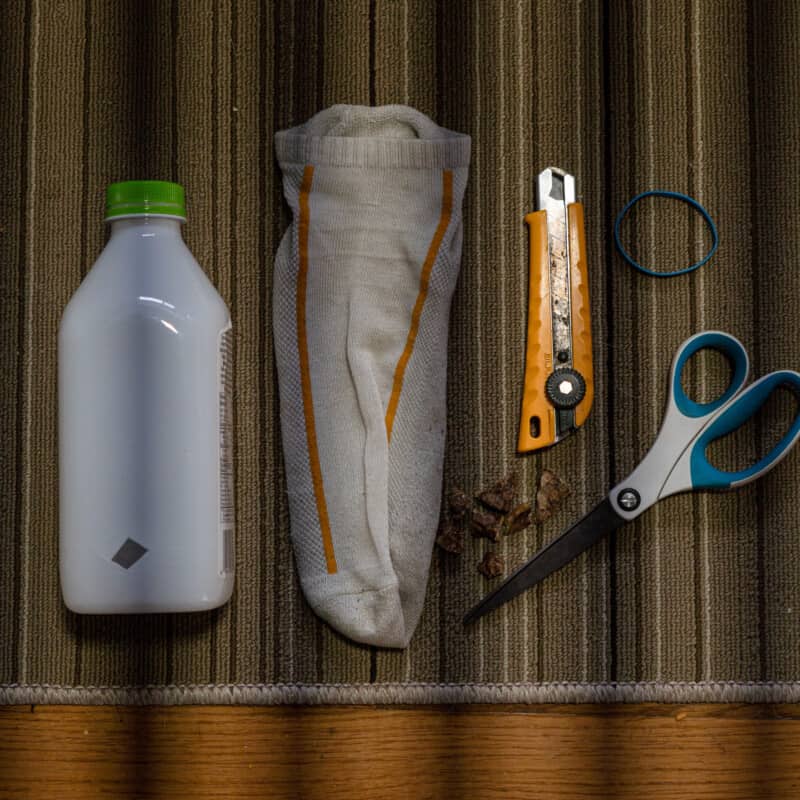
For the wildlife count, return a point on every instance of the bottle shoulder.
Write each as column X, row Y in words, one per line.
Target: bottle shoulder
column 144, row 276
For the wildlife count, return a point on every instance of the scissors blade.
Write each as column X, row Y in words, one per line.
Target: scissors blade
column 599, row 522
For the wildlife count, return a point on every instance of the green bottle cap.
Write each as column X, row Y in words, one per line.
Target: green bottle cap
column 145, row 197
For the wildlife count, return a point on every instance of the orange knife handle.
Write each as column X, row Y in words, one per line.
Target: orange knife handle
column 537, row 427
column 581, row 317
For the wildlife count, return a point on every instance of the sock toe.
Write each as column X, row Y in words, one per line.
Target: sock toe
column 370, row 615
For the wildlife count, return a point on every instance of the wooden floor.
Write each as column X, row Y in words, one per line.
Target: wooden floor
column 645, row 751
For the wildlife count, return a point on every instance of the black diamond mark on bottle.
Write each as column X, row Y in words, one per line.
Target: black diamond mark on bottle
column 129, row 553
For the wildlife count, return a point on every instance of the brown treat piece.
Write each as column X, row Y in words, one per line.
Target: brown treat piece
column 519, row 518
column 552, row 490
column 451, row 537
column 492, row 565
column 495, row 533
column 459, row 503
column 484, row 523
column 501, row 496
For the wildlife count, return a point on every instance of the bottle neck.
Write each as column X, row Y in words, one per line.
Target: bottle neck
column 146, row 225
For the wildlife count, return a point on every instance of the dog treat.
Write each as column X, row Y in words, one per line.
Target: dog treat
column 459, row 503
column 493, row 514
column 552, row 491
column 500, row 497
column 450, row 537
column 518, row 518
column 495, row 532
column 492, row 566
column 485, row 523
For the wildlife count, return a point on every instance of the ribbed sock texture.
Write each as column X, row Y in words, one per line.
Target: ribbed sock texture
column 363, row 282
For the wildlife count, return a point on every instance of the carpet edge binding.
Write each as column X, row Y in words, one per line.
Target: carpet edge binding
column 405, row 693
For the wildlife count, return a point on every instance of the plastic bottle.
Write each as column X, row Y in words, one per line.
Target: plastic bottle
column 146, row 495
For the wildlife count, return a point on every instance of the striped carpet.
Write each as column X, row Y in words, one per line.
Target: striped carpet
column 699, row 600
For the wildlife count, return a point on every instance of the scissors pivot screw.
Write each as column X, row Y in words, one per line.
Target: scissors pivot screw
column 629, row 499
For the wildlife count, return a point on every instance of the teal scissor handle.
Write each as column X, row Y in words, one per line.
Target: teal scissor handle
column 729, row 346
column 705, row 475
column 677, row 461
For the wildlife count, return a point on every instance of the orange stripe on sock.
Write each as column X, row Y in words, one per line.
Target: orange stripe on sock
column 424, row 281
column 305, row 374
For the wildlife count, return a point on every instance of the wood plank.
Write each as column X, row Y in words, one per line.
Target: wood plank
column 663, row 752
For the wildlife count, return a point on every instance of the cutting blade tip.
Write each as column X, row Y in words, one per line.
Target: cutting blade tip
column 470, row 617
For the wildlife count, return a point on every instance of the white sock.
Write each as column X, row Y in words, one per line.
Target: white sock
column 363, row 282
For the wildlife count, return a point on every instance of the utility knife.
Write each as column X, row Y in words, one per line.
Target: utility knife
column 559, row 383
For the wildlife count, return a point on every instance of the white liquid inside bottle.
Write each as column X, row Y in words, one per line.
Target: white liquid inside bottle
column 145, row 447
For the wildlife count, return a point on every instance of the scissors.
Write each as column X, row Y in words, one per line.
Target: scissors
column 677, row 461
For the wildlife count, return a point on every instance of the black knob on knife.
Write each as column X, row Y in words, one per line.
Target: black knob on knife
column 565, row 388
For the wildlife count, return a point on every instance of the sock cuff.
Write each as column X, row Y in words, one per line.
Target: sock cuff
column 387, row 137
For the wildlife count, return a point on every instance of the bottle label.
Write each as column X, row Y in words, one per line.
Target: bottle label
column 226, row 496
